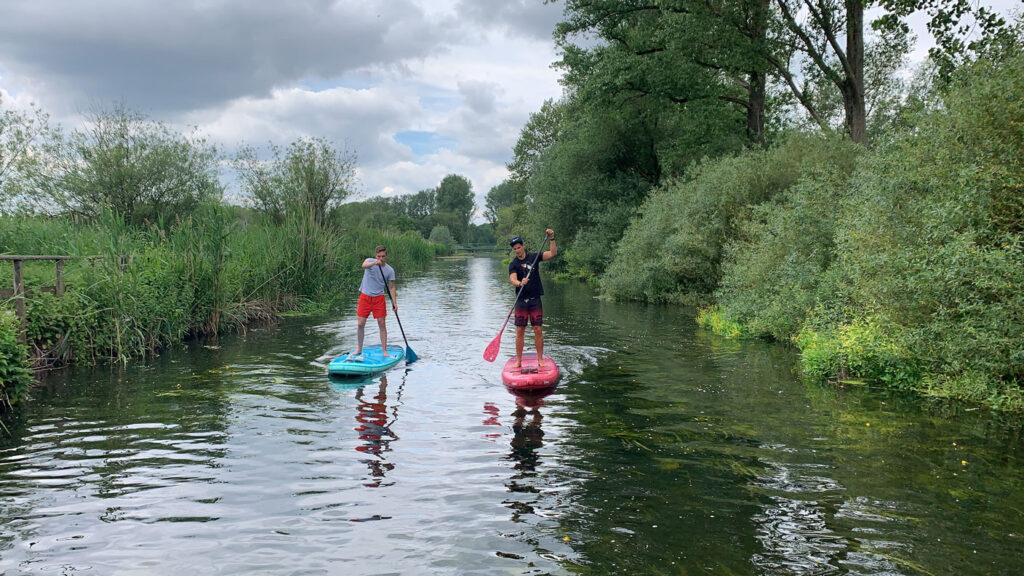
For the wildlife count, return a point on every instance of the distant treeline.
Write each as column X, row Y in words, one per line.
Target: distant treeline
column 794, row 187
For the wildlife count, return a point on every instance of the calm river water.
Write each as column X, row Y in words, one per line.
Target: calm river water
column 664, row 450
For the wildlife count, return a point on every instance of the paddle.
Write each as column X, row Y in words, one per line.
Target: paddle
column 492, row 349
column 410, row 356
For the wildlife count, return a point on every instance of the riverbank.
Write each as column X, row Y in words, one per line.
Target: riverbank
column 134, row 291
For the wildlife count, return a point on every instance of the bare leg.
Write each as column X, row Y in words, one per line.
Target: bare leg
column 538, row 343
column 360, row 332
column 381, row 322
column 520, row 337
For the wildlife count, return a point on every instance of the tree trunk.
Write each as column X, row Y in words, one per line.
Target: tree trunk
column 756, row 110
column 852, row 86
column 758, row 79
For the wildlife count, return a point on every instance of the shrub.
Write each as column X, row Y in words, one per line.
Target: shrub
column 932, row 239
column 773, row 266
column 673, row 250
column 15, row 376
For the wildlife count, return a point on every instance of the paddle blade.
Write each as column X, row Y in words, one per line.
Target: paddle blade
column 410, row 356
column 492, row 349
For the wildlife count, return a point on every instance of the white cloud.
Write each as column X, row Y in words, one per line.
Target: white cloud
column 357, row 72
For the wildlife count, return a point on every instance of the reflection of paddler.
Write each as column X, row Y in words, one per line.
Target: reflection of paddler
column 527, row 438
column 373, row 418
column 373, row 428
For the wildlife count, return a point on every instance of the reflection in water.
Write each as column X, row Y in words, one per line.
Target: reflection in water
column 527, row 440
column 375, row 431
column 794, row 531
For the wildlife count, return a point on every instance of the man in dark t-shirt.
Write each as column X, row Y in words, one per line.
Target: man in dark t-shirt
column 524, row 273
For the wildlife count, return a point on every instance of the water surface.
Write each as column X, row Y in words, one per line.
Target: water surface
column 664, row 450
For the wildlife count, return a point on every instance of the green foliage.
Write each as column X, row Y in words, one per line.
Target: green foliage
column 138, row 169
column 22, row 135
column 712, row 318
column 383, row 214
column 594, row 176
column 781, row 250
column 481, row 234
column 454, row 197
column 673, row 250
column 141, row 290
column 441, row 235
column 15, row 376
column 305, row 181
column 931, row 240
column 505, row 195
column 869, row 347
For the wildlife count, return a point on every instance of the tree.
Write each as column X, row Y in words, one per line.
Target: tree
column 419, row 205
column 134, row 167
column 21, row 136
column 540, row 133
column 441, row 235
column 831, row 36
column 683, row 51
column 508, row 193
column 307, row 179
column 454, row 195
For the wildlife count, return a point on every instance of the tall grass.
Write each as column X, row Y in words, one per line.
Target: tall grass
column 132, row 291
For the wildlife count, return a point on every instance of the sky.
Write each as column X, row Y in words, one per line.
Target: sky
column 416, row 89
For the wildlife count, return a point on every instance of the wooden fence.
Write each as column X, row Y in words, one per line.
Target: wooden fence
column 19, row 283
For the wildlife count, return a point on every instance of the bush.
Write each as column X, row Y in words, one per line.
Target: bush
column 932, row 239
column 15, row 376
column 869, row 347
column 773, row 267
column 673, row 250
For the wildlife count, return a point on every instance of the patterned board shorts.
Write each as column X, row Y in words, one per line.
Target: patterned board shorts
column 529, row 310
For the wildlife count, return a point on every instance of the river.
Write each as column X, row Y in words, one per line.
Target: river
column 663, row 450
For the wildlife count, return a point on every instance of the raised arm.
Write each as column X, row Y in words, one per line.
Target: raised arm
column 552, row 250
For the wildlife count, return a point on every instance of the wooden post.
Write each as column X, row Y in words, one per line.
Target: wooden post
column 58, row 288
column 19, row 299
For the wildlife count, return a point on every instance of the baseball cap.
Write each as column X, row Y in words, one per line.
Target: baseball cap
column 515, row 240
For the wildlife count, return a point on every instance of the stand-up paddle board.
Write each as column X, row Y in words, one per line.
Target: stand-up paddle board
column 371, row 361
column 531, row 376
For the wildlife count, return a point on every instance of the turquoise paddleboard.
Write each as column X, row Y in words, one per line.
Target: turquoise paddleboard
column 371, row 361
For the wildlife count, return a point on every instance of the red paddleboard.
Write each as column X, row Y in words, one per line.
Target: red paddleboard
column 530, row 376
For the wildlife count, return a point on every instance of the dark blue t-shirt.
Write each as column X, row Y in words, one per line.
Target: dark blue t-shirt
column 534, row 287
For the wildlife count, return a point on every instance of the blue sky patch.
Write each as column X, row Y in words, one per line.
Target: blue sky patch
column 422, row 143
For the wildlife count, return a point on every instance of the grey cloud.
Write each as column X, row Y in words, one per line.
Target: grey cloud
column 176, row 56
column 479, row 96
column 529, row 18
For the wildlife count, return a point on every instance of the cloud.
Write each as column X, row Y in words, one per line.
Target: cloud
column 176, row 56
column 369, row 75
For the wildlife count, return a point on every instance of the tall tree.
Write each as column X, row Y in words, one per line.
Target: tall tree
column 454, row 195
column 508, row 193
column 697, row 49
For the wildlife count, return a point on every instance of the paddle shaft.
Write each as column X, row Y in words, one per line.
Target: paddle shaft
column 497, row 339
column 387, row 289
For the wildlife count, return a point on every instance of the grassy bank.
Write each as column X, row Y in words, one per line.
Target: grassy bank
column 132, row 291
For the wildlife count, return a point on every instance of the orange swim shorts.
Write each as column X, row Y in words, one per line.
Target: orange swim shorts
column 374, row 304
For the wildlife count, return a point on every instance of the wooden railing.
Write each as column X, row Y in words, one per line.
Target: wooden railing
column 19, row 284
